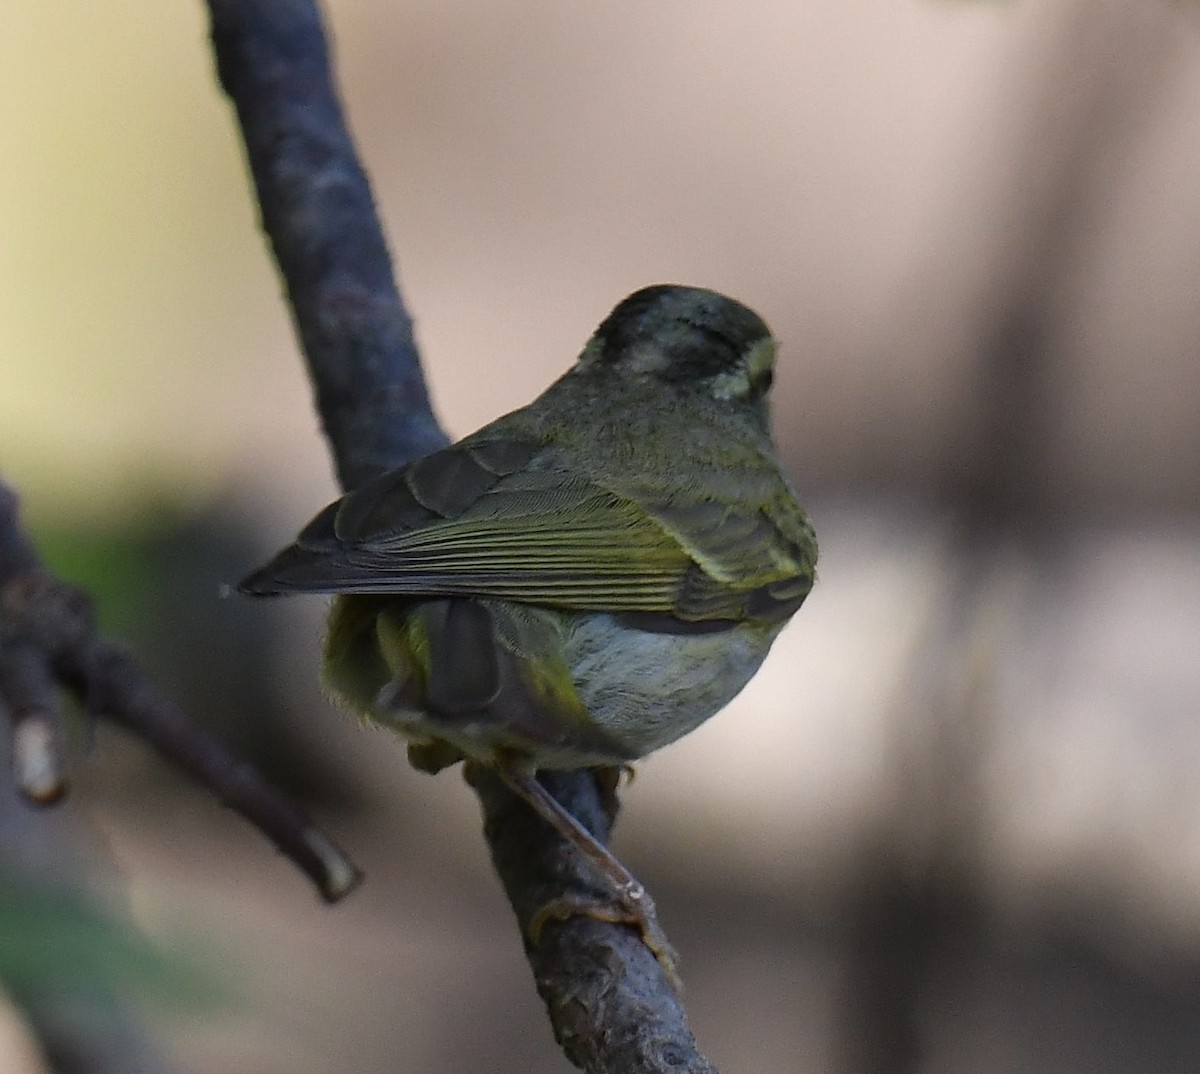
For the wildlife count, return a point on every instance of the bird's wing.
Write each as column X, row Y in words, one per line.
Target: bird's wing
column 511, row 519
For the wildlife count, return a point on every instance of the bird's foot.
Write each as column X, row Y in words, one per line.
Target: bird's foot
column 632, row 905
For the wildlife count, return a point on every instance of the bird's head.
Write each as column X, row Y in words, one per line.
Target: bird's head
column 689, row 337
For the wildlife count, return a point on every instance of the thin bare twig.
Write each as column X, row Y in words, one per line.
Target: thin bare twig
column 48, row 639
column 609, row 1002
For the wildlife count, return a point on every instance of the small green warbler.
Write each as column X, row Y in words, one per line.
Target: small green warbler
column 585, row 579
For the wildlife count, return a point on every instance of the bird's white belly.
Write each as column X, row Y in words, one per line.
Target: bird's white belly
column 647, row 689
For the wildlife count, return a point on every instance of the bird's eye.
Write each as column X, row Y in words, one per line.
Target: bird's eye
column 766, row 380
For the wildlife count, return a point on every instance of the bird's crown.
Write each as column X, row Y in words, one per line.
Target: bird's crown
column 687, row 336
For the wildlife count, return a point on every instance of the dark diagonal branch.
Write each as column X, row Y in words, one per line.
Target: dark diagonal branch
column 611, row 1007
column 48, row 639
column 318, row 212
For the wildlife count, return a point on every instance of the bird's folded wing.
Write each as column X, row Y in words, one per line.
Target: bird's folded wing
column 511, row 520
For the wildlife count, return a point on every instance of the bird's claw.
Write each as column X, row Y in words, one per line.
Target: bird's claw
column 632, row 906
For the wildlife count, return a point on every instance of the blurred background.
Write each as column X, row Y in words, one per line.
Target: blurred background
column 954, row 824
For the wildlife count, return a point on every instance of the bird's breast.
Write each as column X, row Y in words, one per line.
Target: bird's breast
column 645, row 690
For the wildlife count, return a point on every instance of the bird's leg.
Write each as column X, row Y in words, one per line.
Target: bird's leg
column 632, row 906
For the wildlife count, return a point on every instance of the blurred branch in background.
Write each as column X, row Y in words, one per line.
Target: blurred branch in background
column 59, row 960
column 48, row 637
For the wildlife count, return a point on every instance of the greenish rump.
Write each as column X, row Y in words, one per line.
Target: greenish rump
column 585, row 579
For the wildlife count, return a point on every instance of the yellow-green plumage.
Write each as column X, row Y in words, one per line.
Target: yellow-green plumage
column 585, row 579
